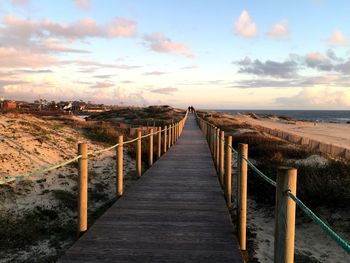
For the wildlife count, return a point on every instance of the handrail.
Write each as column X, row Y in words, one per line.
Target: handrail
column 64, row 163
column 340, row 241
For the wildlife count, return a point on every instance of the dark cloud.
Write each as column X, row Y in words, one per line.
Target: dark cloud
column 331, row 54
column 286, row 69
column 165, row 91
column 300, row 82
column 29, row 71
column 265, row 83
column 329, row 62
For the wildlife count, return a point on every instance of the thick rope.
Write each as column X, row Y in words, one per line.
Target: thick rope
column 342, row 242
column 56, row 166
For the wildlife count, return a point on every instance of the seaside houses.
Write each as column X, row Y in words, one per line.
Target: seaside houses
column 8, row 104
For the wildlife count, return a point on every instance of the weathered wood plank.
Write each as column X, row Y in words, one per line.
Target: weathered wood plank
column 176, row 212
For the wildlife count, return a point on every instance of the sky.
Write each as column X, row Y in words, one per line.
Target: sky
column 224, row 54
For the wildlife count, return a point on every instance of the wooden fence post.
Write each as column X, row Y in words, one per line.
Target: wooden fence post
column 159, row 143
column 214, row 144
column 222, row 158
column 173, row 134
column 217, row 159
column 165, row 138
column 242, row 193
column 138, row 155
column 285, row 215
column 213, row 141
column 228, row 172
column 150, row 158
column 120, row 166
column 83, row 188
column 177, row 131
column 208, row 134
column 169, row 136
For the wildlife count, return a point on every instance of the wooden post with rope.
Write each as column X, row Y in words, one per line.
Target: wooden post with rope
column 120, row 166
column 83, row 188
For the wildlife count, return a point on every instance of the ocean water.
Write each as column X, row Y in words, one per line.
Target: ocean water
column 335, row 116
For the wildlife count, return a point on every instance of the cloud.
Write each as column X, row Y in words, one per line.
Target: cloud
column 318, row 61
column 317, row 97
column 30, row 71
column 84, row 5
column 190, row 67
column 165, row 91
column 245, row 26
column 4, row 83
column 93, row 65
column 80, row 29
column 337, row 39
column 102, row 85
column 331, row 54
column 279, row 30
column 35, row 43
column 286, row 69
column 264, row 83
column 158, row 42
column 12, row 58
column 331, row 80
column 126, row 81
column 103, row 76
column 328, row 62
column 20, row 2
column 154, row 73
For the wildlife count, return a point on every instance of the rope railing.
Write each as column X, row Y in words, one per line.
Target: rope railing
column 210, row 131
column 170, row 134
column 342, row 242
column 64, row 163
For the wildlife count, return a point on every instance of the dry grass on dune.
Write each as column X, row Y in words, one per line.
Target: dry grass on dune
column 38, row 215
column 319, row 184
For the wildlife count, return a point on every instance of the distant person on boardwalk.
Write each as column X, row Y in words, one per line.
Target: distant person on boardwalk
column 190, row 109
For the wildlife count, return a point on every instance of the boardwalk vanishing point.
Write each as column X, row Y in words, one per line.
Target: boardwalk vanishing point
column 176, row 212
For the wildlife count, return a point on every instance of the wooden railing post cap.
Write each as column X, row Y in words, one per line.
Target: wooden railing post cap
column 287, row 170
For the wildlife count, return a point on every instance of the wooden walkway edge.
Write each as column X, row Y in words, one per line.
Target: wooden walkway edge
column 175, row 213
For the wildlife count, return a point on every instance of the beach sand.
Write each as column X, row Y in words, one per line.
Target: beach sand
column 332, row 133
column 311, row 243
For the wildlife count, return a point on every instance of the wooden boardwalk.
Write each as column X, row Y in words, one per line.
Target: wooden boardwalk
column 175, row 213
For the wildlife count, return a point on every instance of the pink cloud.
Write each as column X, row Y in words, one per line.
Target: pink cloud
column 158, row 42
column 84, row 5
column 245, row 26
column 337, row 39
column 11, row 58
column 122, row 27
column 20, row 2
column 87, row 27
column 315, row 56
column 279, row 30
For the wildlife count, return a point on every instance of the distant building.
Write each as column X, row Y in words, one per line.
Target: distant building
column 8, row 105
column 94, row 108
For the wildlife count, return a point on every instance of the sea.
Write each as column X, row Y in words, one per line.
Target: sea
column 333, row 116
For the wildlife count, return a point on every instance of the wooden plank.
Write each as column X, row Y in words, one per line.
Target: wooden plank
column 175, row 213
